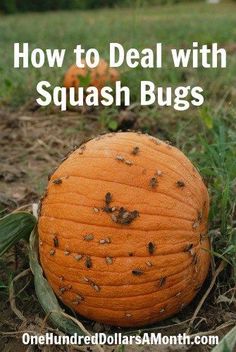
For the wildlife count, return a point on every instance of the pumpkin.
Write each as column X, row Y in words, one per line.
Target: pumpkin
column 97, row 77
column 123, row 230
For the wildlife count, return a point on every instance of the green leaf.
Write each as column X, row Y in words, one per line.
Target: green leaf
column 15, row 227
column 84, row 81
column 228, row 343
column 7, row 82
column 113, row 125
column 206, row 118
column 45, row 294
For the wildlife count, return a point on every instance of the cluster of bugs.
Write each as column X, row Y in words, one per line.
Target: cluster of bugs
column 189, row 249
column 153, row 182
column 92, row 284
column 124, row 217
column 154, row 140
column 119, row 215
column 151, row 247
column 123, row 160
column 78, row 299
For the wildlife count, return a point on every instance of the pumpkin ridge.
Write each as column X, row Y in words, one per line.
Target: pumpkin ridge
column 125, row 203
column 171, row 170
column 116, row 235
column 122, row 308
column 91, row 271
column 99, row 201
column 157, row 149
column 159, row 255
column 156, row 289
column 127, row 256
column 177, row 151
column 152, row 214
column 97, row 225
column 131, row 186
column 145, row 231
column 124, row 299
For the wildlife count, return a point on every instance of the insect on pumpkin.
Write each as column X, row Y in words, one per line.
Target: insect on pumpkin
column 88, row 262
column 135, row 150
column 120, row 158
column 195, row 224
column 52, row 252
column 105, row 240
column 180, row 184
column 128, row 162
column 78, row 257
column 162, row 281
column 151, row 247
column 55, row 241
column 89, row 237
column 137, row 272
column 153, row 182
column 109, row 260
column 57, row 181
column 108, row 198
column 62, row 289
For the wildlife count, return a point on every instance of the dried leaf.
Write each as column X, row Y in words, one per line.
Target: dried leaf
column 45, row 294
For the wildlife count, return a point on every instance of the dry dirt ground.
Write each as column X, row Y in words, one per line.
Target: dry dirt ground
column 32, row 143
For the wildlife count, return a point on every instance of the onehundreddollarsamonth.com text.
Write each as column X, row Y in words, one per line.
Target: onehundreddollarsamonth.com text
column 119, row 339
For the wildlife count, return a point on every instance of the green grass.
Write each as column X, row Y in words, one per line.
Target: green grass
column 207, row 135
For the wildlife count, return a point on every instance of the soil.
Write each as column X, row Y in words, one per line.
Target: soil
column 32, row 143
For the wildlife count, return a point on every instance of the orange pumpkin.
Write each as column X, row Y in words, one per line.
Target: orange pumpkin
column 97, row 77
column 123, row 230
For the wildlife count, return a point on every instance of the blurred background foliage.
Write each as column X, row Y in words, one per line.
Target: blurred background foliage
column 12, row 6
